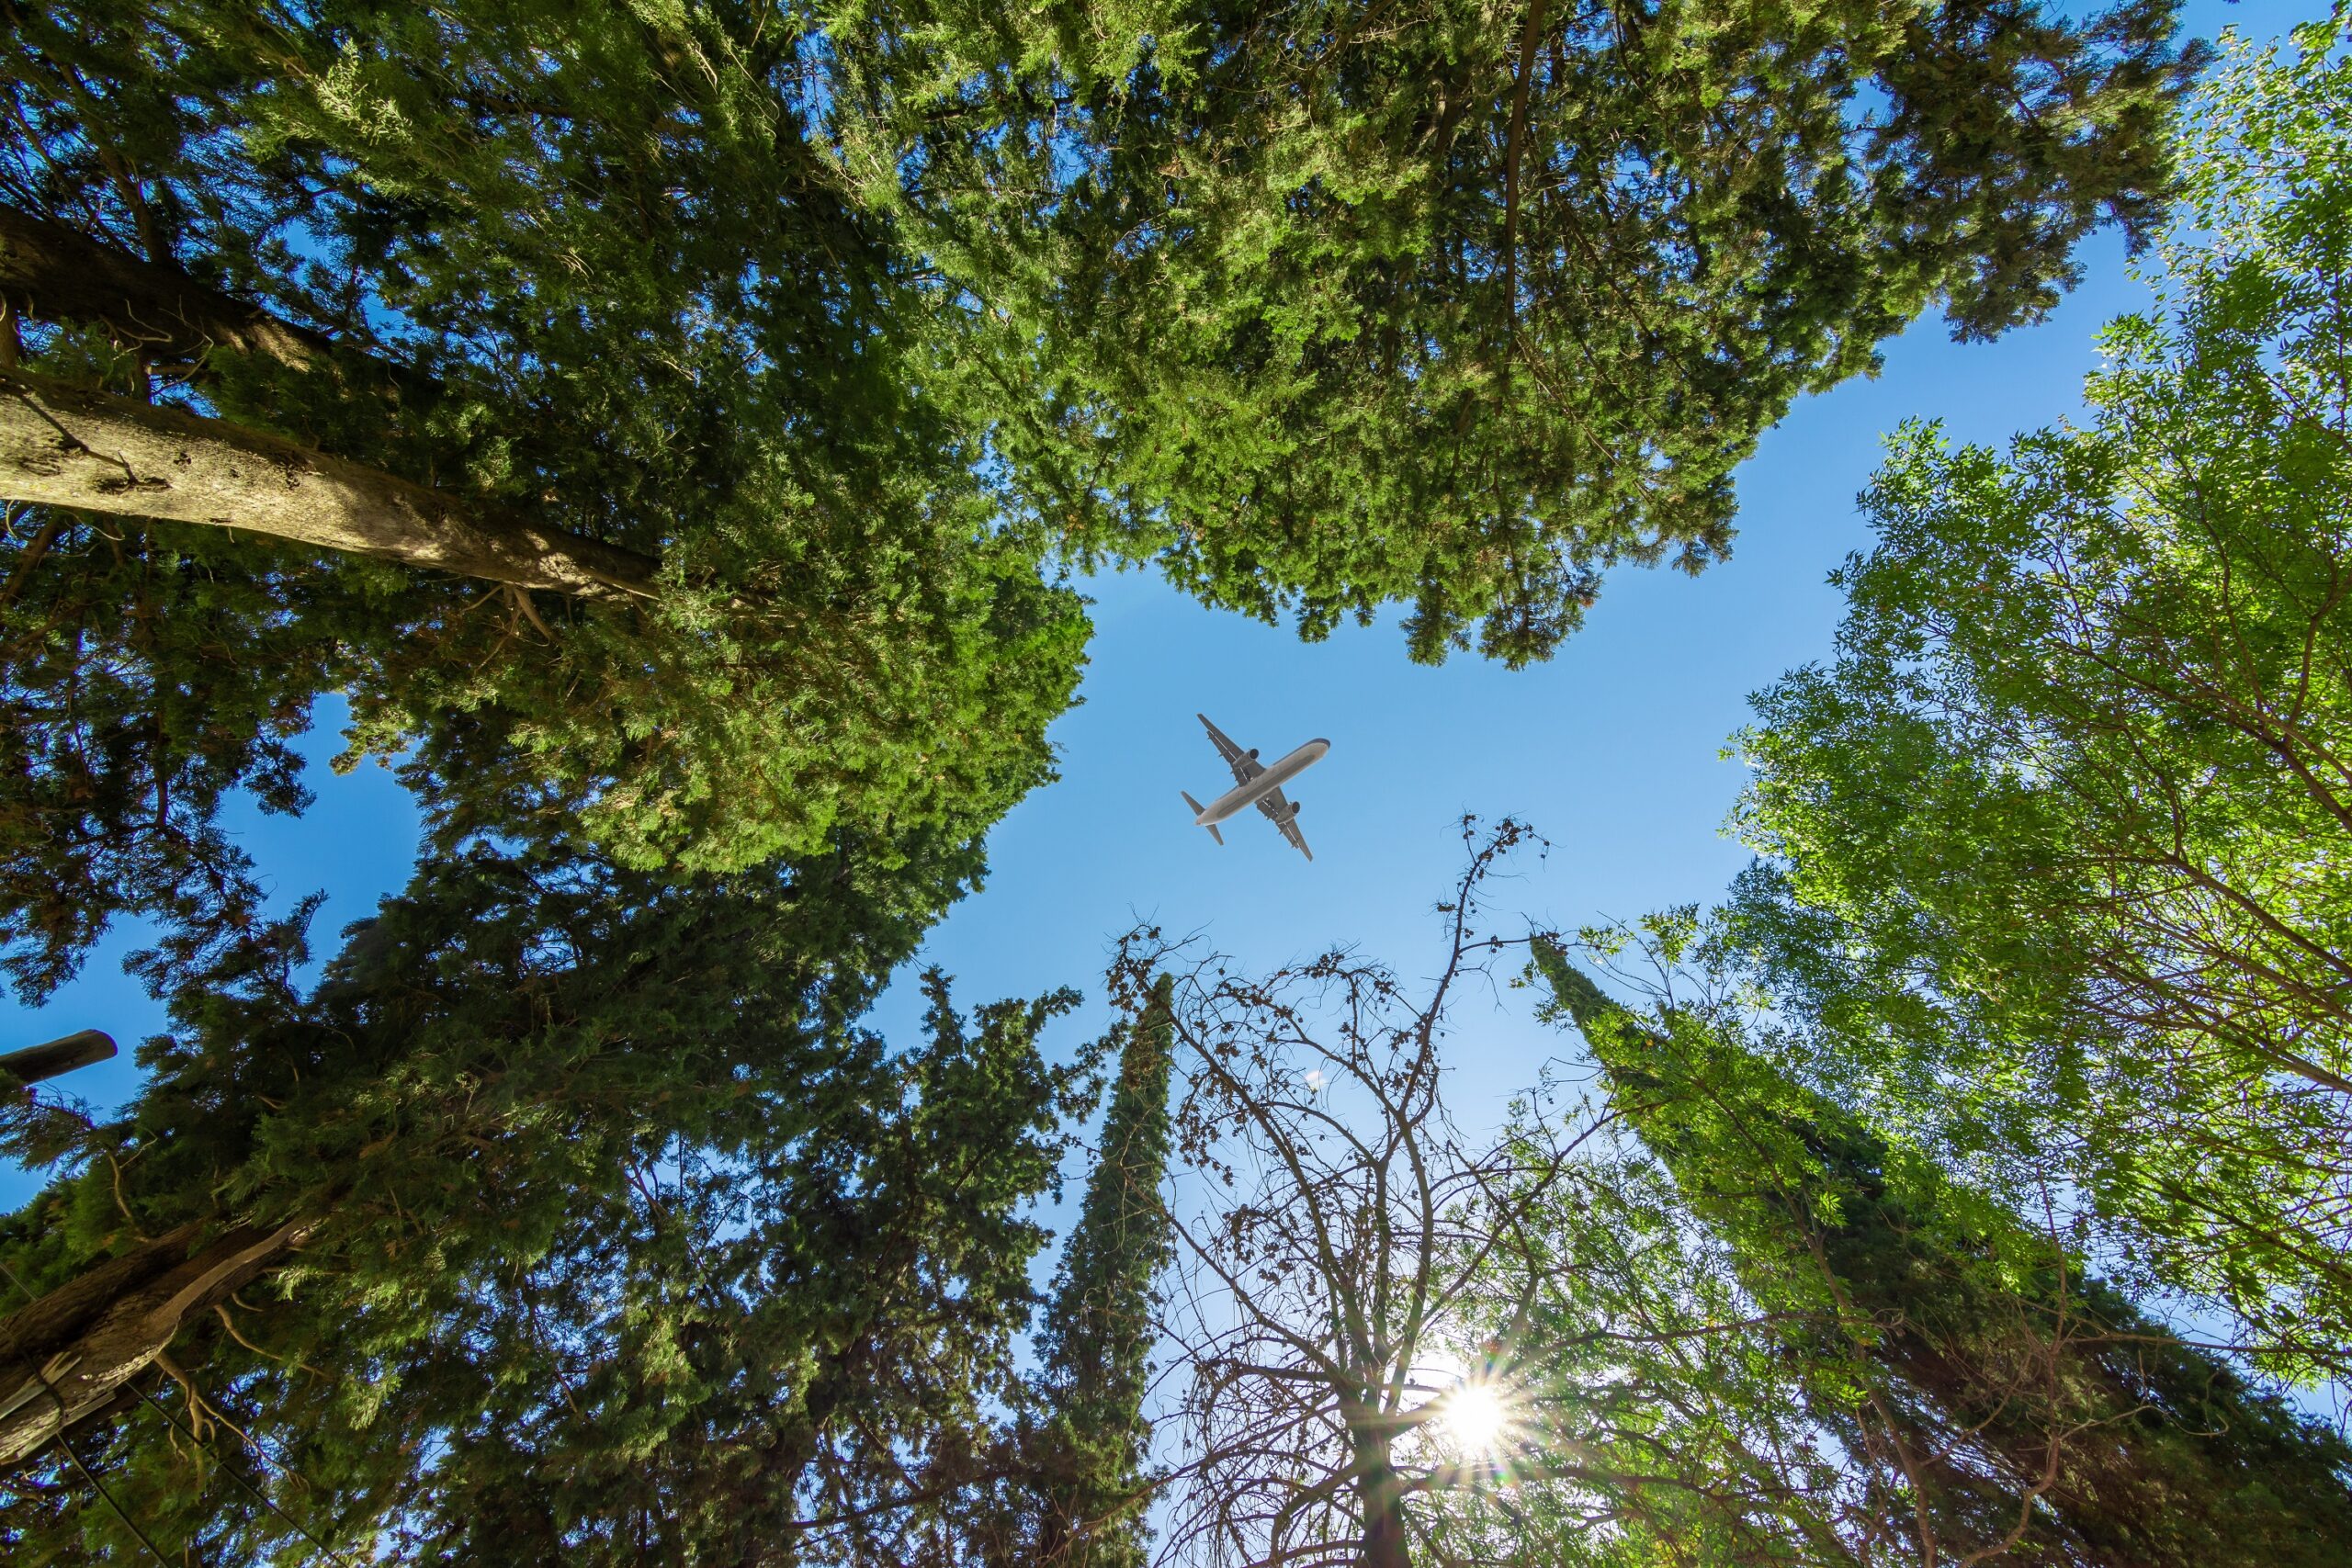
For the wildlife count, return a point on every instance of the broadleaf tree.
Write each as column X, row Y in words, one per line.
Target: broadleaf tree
column 1390, row 1350
column 2054, row 848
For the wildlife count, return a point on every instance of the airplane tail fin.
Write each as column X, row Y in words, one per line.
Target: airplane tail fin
column 1196, row 811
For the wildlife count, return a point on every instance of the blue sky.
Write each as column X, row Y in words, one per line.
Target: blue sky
column 1612, row 750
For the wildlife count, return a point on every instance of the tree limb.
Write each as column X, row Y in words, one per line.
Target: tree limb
column 63, row 445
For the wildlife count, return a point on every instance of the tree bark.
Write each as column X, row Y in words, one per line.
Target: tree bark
column 63, row 445
column 64, row 1359
column 52, row 1059
column 48, row 271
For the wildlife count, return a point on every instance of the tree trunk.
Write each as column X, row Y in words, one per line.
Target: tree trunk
column 1382, row 1496
column 48, row 271
column 64, row 1359
column 64, row 445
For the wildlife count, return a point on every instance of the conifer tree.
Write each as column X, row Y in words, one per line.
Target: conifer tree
column 2005, row 1400
column 627, row 405
column 1424, row 301
column 2057, row 849
column 1101, row 1325
column 568, row 1217
column 809, row 1363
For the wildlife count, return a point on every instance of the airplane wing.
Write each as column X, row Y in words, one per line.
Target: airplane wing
column 1245, row 766
column 1284, row 815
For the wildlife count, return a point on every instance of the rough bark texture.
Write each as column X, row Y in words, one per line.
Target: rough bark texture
column 1384, row 1524
column 52, row 273
column 64, row 445
column 64, row 1359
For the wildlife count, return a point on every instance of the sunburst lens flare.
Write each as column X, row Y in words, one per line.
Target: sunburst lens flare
column 1476, row 1417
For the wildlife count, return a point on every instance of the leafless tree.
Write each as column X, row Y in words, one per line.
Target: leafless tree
column 1319, row 1274
column 1357, row 1273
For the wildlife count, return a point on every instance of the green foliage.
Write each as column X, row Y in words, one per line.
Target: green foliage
column 1359, row 304
column 1346, row 309
column 2058, row 865
column 628, row 1239
column 147, row 678
column 1644, row 1385
column 1990, row 1390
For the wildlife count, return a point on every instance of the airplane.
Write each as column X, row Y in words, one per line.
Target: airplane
column 1254, row 784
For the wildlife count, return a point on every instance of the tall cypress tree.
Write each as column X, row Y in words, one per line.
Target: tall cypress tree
column 1100, row 1327
column 1999, row 1393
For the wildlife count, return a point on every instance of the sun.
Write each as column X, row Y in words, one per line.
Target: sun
column 1476, row 1416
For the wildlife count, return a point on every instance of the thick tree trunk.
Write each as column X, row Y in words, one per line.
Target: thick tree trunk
column 63, row 445
column 64, row 1359
column 49, row 272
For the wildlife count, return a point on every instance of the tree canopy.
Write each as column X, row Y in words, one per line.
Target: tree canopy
column 1346, row 305
column 604, row 297
column 2056, row 846
column 1698, row 1314
column 1991, row 1396
column 673, row 429
column 685, row 410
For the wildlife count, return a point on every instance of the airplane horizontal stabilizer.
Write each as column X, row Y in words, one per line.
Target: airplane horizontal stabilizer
column 1196, row 813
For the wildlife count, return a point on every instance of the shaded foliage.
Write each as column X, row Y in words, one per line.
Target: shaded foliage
column 621, row 1236
column 608, row 286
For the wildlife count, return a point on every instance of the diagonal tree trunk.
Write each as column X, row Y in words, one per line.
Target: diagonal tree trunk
column 66, row 1357
column 63, row 445
column 51, row 272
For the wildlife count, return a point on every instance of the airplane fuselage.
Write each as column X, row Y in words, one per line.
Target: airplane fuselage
column 1241, row 797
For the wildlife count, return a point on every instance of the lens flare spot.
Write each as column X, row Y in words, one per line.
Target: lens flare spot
column 1476, row 1417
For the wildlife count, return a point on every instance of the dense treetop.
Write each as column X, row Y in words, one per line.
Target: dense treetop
column 1349, row 304
column 603, row 288
column 832, row 320
column 674, row 426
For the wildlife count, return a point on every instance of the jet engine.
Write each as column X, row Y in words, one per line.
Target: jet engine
column 1253, row 754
